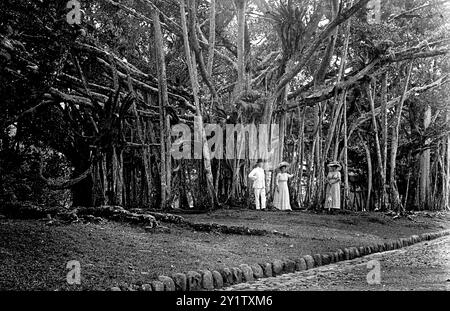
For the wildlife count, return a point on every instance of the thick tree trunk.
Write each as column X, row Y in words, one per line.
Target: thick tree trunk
column 82, row 192
column 369, row 173
column 447, row 177
column 240, row 6
column 346, row 184
column 192, row 68
column 384, row 100
column 163, row 103
column 212, row 36
column 370, row 96
column 424, row 171
column 301, row 152
column 395, row 196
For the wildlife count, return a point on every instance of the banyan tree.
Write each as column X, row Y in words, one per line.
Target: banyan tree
column 360, row 82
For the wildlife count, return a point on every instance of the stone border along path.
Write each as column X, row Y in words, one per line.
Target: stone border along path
column 216, row 279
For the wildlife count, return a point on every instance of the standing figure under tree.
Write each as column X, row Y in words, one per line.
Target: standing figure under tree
column 333, row 198
column 281, row 198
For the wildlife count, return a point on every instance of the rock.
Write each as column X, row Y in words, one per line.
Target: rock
column 157, row 286
column 335, row 257
column 317, row 260
column 374, row 248
column 227, row 276
column 309, row 261
column 398, row 244
column 247, row 273
column 416, row 238
column 347, row 254
column 300, row 264
column 267, row 269
column 289, row 266
column 257, row 271
column 146, row 288
column 362, row 251
column 356, row 252
column 277, row 267
column 237, row 275
column 180, row 281
column 326, row 259
column 207, row 280
column 169, row 284
column 341, row 255
column 217, row 279
column 115, row 289
column 351, row 252
column 368, row 250
column 381, row 247
column 193, row 280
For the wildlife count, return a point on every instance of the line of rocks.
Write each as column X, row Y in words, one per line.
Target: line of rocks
column 224, row 277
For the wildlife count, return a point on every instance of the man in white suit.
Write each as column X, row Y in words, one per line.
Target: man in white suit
column 259, row 184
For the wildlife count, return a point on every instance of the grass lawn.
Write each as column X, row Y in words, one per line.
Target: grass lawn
column 33, row 256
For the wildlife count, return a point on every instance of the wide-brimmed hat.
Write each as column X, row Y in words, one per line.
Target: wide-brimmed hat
column 334, row 164
column 283, row 164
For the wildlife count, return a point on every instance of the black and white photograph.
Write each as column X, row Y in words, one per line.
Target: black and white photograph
column 227, row 151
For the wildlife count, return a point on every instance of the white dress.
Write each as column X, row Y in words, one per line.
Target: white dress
column 281, row 197
column 333, row 200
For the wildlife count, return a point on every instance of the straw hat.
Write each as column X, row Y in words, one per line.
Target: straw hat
column 283, row 164
column 335, row 164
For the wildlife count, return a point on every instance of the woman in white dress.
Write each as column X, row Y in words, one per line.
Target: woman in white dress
column 281, row 197
column 333, row 199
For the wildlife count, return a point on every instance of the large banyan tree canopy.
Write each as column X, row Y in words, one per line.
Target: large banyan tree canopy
column 353, row 81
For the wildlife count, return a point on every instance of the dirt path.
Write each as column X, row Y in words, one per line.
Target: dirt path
column 423, row 266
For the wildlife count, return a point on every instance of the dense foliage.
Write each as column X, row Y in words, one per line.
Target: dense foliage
column 83, row 106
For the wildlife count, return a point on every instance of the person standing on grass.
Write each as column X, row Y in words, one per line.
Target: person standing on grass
column 259, row 185
column 333, row 198
column 281, row 197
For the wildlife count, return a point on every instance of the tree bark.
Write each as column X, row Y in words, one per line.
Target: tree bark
column 240, row 85
column 370, row 96
column 212, row 36
column 384, row 100
column 369, row 173
column 395, row 196
column 424, row 172
column 346, row 184
column 447, row 192
column 163, row 103
column 190, row 59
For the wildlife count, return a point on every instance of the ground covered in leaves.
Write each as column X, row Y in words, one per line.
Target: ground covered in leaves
column 34, row 253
